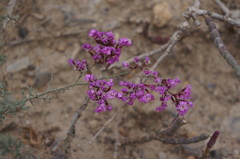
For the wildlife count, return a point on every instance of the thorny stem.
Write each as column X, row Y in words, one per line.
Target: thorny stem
column 221, row 47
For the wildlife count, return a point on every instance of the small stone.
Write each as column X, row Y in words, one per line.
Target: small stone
column 20, row 65
column 161, row 14
column 123, row 131
column 42, row 79
column 62, row 47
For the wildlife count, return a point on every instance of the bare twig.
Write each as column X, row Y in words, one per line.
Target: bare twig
column 210, row 144
column 71, row 129
column 106, row 123
column 217, row 16
column 174, row 126
column 177, row 35
column 142, row 56
column 116, row 143
column 176, row 141
column 223, row 6
column 221, row 47
column 170, row 131
column 172, row 42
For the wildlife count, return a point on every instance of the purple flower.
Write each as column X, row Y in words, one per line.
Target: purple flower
column 147, row 60
column 106, row 52
column 125, row 64
column 111, row 94
column 89, row 77
column 78, row 65
column 137, row 61
column 186, row 92
column 71, row 62
column 93, row 33
column 157, row 80
column 146, row 98
column 87, row 46
column 124, row 42
column 161, row 107
column 182, row 108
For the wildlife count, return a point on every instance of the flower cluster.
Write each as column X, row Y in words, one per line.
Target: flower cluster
column 162, row 87
column 78, row 65
column 108, row 50
column 134, row 91
column 100, row 91
column 180, row 98
column 138, row 63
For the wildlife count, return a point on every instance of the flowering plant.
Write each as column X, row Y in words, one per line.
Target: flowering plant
column 107, row 52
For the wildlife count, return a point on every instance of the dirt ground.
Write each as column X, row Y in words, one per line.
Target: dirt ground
column 53, row 31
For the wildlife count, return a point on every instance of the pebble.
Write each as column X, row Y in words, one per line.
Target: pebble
column 62, row 47
column 161, row 14
column 41, row 79
column 20, row 65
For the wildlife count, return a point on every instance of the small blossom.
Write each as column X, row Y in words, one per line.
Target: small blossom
column 182, row 108
column 78, row 65
column 147, row 98
column 186, row 92
column 137, row 61
column 147, row 60
column 89, row 77
column 124, row 42
column 157, row 80
column 87, row 46
column 125, row 64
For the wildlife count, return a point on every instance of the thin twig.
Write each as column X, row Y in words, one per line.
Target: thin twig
column 221, row 47
column 210, row 144
column 116, row 143
column 174, row 126
column 176, row 141
column 217, row 16
column 223, row 7
column 71, row 130
column 142, row 56
column 172, row 42
column 106, row 123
